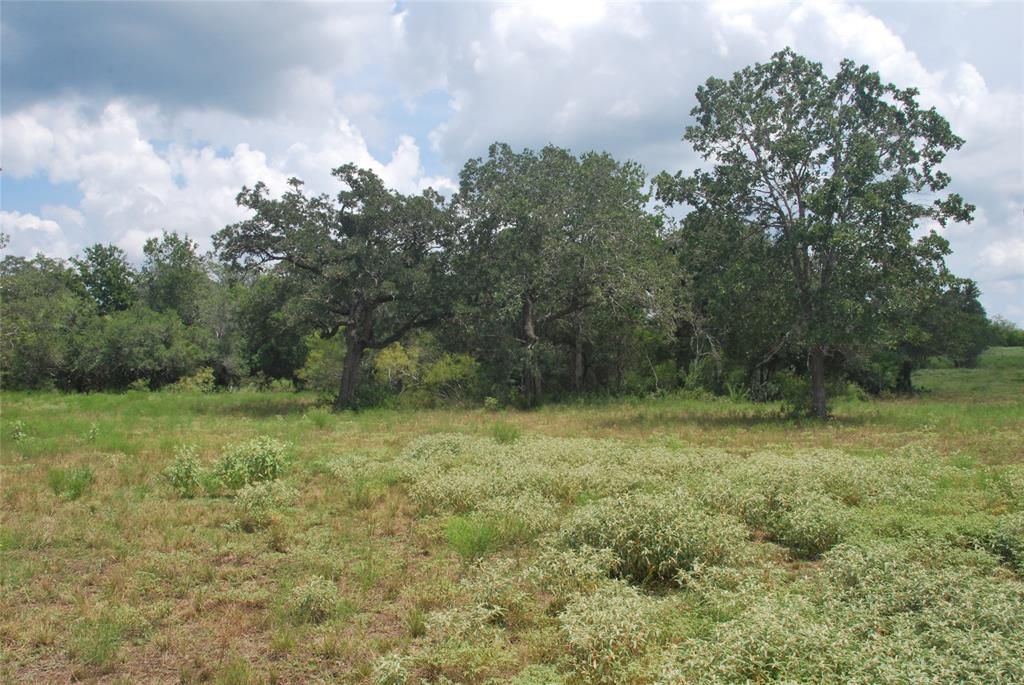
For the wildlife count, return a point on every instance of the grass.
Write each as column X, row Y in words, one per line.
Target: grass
column 411, row 546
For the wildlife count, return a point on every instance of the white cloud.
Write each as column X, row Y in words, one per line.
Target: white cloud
column 1003, row 260
column 31, row 234
column 132, row 189
column 602, row 75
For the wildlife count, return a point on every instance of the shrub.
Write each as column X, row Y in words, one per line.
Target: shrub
column 184, row 474
column 256, row 460
column 314, row 601
column 606, row 629
column 202, row 380
column 258, row 503
column 566, row 573
column 390, row 670
column 70, row 484
column 653, row 536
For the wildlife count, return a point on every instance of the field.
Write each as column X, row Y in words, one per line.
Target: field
column 249, row 538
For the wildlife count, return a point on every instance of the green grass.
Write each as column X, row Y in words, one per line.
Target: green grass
column 446, row 543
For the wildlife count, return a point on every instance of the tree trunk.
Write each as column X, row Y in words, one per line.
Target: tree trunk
column 577, row 371
column 816, row 362
column 531, row 372
column 349, row 373
column 357, row 337
column 904, row 384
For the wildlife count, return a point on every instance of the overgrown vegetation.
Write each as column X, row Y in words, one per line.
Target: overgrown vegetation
column 683, row 541
column 552, row 275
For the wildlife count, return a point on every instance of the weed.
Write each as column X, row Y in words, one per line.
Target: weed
column 184, row 474
column 96, row 644
column 259, row 503
column 653, row 537
column 504, row 433
column 19, row 431
column 390, row 670
column 314, row 601
column 473, row 536
column 603, row 631
column 70, row 484
column 257, row 460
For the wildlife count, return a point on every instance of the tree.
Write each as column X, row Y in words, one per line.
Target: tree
column 173, row 276
column 137, row 344
column 552, row 236
column 371, row 261
column 834, row 172
column 41, row 310
column 107, row 276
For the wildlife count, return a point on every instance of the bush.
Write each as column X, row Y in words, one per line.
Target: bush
column 805, row 521
column 390, row 670
column 564, row 574
column 70, row 484
column 314, row 601
column 202, row 380
column 603, row 631
column 257, row 460
column 184, row 474
column 258, row 503
column 653, row 536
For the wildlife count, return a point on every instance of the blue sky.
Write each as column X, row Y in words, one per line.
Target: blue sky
column 122, row 119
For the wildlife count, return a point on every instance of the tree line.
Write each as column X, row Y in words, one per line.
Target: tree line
column 794, row 271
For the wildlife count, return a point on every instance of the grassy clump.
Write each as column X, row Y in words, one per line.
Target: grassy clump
column 881, row 612
column 259, row 504
column 97, row 644
column 653, row 537
column 505, row 433
column 70, row 484
column 605, row 630
column 315, row 601
column 474, row 535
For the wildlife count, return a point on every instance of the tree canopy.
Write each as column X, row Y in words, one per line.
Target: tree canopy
column 369, row 262
column 833, row 173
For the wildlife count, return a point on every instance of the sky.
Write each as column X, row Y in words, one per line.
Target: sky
column 118, row 120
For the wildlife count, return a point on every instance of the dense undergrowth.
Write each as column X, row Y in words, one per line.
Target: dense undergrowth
column 252, row 540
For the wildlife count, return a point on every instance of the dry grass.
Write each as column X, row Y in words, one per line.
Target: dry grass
column 127, row 582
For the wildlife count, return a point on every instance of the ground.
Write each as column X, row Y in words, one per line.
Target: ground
column 255, row 537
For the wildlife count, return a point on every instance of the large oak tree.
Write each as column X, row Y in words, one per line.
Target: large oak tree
column 553, row 237
column 833, row 173
column 369, row 262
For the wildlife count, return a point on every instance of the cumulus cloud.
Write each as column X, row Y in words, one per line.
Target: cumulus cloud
column 132, row 188
column 30, row 234
column 159, row 112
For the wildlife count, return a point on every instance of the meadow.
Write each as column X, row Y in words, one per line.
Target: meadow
column 251, row 537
